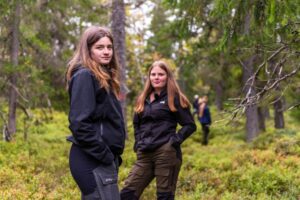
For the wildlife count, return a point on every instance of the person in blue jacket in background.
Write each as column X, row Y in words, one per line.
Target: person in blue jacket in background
column 204, row 118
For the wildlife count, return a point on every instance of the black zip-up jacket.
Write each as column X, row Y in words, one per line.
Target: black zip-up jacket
column 95, row 117
column 156, row 125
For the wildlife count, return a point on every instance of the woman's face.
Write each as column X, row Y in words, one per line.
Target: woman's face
column 102, row 51
column 158, row 78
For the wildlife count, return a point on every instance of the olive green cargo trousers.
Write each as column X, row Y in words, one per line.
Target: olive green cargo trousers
column 162, row 164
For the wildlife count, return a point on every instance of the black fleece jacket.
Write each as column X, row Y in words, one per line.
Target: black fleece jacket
column 156, row 125
column 95, row 117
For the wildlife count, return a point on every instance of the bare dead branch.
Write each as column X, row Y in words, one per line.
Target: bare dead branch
column 18, row 92
column 294, row 106
column 27, row 113
column 275, row 77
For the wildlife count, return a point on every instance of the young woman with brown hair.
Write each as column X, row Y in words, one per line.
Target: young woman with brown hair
column 96, row 121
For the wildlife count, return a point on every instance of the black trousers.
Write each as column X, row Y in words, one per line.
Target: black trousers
column 82, row 166
column 205, row 130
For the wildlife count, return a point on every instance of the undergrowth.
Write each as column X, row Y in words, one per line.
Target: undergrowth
column 226, row 169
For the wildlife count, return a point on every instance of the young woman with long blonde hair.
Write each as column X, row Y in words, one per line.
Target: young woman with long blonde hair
column 160, row 107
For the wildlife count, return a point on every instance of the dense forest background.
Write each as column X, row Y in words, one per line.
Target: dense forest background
column 243, row 54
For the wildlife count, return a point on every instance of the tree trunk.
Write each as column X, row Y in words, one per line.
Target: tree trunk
column 219, row 95
column 118, row 30
column 278, row 114
column 278, row 105
column 219, row 87
column 267, row 113
column 261, row 118
column 13, row 76
column 252, row 128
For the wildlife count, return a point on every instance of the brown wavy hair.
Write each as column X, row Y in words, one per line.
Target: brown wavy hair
column 82, row 57
column 173, row 89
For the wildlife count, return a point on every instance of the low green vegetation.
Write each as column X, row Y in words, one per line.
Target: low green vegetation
column 228, row 168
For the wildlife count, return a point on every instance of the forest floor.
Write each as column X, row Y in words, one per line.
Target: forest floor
column 228, row 168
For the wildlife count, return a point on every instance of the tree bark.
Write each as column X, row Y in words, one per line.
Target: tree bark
column 278, row 114
column 118, row 30
column 13, row 77
column 219, row 87
column 252, row 128
column 267, row 113
column 261, row 118
column 278, row 104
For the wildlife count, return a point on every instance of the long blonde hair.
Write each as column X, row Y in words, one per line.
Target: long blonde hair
column 172, row 89
column 82, row 57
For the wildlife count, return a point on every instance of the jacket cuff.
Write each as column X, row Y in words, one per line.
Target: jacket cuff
column 108, row 158
column 176, row 140
column 120, row 160
column 135, row 147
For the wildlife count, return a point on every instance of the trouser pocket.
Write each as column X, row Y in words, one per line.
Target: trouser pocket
column 163, row 178
column 107, row 182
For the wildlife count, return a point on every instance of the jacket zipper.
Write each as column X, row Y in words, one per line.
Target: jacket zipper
column 101, row 129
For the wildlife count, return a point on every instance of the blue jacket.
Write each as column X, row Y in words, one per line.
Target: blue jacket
column 205, row 119
column 95, row 117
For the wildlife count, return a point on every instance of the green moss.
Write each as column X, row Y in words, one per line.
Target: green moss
column 228, row 168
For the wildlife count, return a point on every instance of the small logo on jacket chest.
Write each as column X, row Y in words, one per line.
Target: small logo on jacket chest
column 162, row 102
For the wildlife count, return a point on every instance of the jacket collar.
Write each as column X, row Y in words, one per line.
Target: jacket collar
column 162, row 94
